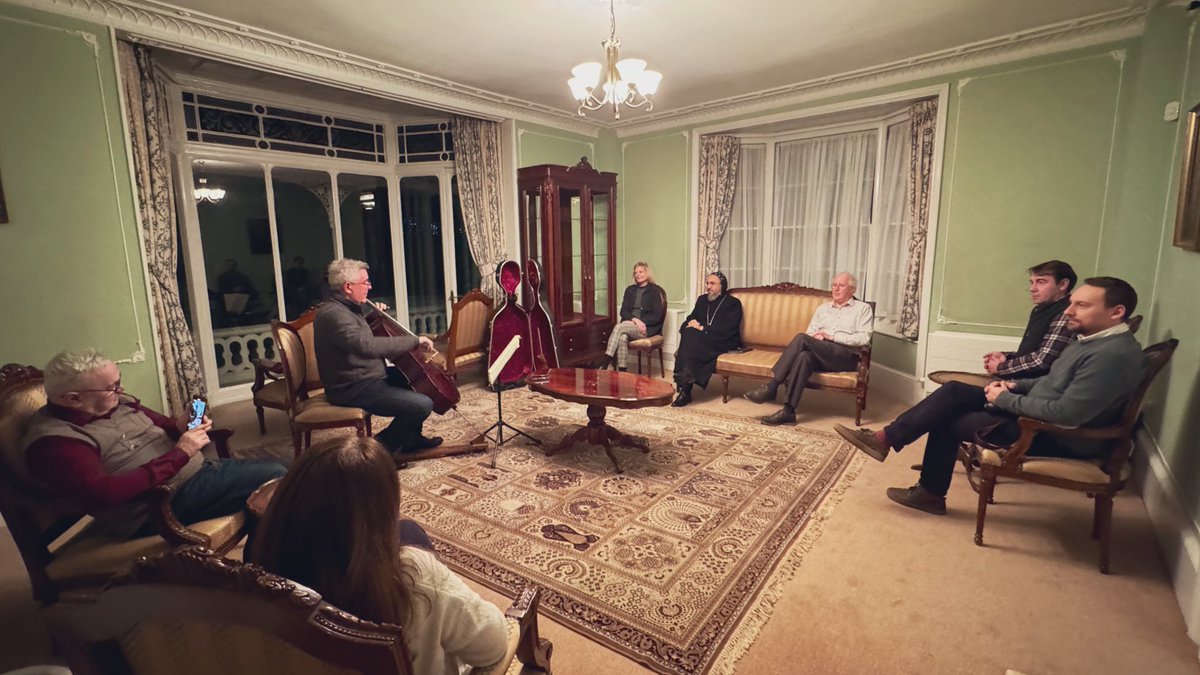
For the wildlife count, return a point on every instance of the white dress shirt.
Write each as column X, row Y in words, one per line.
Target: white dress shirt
column 849, row 324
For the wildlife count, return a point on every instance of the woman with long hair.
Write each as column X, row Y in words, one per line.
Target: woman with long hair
column 333, row 526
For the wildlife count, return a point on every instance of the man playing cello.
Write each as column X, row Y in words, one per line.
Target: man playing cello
column 351, row 357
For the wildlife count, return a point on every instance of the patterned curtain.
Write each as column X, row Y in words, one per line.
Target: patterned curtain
column 920, row 167
column 477, row 164
column 146, row 103
column 719, row 157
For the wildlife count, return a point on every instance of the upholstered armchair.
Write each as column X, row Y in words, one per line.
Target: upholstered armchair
column 654, row 343
column 172, row 609
column 307, row 407
column 38, row 519
column 1100, row 479
column 464, row 344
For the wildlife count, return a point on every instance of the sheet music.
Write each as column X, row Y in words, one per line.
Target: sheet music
column 502, row 359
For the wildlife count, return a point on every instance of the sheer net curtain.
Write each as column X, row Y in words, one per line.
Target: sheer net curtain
column 884, row 280
column 822, row 207
column 741, row 248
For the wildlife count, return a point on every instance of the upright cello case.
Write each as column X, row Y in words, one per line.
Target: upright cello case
column 544, row 345
column 508, row 321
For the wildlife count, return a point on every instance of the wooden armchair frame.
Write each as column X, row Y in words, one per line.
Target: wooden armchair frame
column 1011, row 462
column 653, row 343
column 37, row 519
column 453, row 337
column 197, row 590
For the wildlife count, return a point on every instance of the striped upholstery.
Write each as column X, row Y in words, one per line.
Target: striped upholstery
column 467, row 339
column 472, row 328
column 312, row 375
column 294, row 356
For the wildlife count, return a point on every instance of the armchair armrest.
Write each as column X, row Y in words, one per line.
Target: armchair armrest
column 1030, row 427
column 169, row 527
column 532, row 650
column 265, row 369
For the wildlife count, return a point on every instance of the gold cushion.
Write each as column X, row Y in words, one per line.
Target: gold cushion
column 317, row 410
column 90, row 553
column 647, row 343
column 772, row 319
column 467, row 359
column 754, row 363
column 1078, row 470
column 847, row 379
column 508, row 665
column 273, row 395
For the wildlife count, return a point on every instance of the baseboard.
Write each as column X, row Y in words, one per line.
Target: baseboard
column 1177, row 531
column 903, row 387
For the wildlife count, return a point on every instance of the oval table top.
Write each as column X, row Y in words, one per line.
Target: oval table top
column 609, row 388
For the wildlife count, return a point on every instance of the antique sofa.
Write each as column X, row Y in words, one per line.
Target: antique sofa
column 771, row 317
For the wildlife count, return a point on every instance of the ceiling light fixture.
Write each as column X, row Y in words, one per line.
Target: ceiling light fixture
column 625, row 82
column 212, row 195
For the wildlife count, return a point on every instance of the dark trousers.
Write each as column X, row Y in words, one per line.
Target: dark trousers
column 220, row 488
column 806, row 355
column 953, row 414
column 412, row 534
column 390, row 398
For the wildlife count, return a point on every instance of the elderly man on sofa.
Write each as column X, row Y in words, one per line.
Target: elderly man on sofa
column 826, row 346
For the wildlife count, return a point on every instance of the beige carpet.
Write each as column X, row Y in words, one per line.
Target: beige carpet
column 886, row 589
column 674, row 563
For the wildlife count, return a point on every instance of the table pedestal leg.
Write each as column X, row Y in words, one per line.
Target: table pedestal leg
column 598, row 432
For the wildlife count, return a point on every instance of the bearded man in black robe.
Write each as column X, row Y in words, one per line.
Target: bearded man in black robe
column 713, row 328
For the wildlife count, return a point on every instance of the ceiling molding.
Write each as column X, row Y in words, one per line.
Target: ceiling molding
column 1059, row 37
column 162, row 25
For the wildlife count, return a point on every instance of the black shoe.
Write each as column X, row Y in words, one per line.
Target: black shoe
column 602, row 362
column 398, row 458
column 781, row 416
column 917, row 497
column 863, row 439
column 682, row 399
column 421, row 443
column 763, row 394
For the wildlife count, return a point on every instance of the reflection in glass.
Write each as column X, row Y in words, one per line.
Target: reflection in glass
column 571, row 290
column 235, row 235
column 600, row 248
column 367, row 231
column 466, row 272
column 424, row 264
column 304, row 222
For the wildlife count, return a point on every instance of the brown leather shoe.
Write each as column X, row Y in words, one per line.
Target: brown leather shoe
column 917, row 497
column 863, row 439
column 781, row 416
column 761, row 395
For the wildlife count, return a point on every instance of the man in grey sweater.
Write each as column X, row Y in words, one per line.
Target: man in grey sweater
column 1087, row 386
column 351, row 361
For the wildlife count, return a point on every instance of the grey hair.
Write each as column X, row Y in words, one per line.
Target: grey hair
column 66, row 368
column 649, row 271
column 344, row 270
column 853, row 279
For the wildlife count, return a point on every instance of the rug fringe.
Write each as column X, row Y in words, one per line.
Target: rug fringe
column 756, row 619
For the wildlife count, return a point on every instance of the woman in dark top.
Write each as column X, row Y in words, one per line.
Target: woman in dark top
column 643, row 310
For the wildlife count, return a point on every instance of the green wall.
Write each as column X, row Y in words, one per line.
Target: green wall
column 655, row 198
column 543, row 145
column 1139, row 246
column 71, row 266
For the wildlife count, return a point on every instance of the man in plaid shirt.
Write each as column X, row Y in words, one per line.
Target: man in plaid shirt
column 1047, row 334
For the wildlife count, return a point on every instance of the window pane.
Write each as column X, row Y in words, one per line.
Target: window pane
column 367, row 231
column 304, row 222
column 424, row 264
column 239, row 266
column 740, row 252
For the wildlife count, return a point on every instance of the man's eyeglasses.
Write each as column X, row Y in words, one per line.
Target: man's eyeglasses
column 360, row 283
column 115, row 389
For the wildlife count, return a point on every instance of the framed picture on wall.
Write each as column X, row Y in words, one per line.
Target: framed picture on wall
column 1187, row 216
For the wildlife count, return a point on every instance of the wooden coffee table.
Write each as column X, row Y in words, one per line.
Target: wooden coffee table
column 600, row 390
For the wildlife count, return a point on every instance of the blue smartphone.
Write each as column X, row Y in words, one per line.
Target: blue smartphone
column 199, row 407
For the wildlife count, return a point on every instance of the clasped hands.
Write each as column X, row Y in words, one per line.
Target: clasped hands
column 993, row 390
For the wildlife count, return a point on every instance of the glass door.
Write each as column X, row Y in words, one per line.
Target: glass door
column 304, row 226
column 366, row 231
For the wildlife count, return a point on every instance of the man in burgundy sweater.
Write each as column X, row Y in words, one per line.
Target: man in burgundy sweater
column 101, row 448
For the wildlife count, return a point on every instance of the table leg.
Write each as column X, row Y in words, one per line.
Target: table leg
column 598, row 432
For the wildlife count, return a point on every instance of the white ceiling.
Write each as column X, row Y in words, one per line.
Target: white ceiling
column 707, row 50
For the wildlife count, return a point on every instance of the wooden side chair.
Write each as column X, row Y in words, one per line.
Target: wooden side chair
column 654, row 343
column 191, row 611
column 39, row 519
column 269, row 389
column 307, row 407
column 464, row 344
column 1099, row 479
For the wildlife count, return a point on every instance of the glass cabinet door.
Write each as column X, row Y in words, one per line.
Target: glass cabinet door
column 601, row 265
column 570, row 236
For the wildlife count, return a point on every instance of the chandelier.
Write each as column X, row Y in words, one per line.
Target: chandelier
column 617, row 83
column 212, row 195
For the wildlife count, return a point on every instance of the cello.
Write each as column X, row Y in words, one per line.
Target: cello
column 424, row 376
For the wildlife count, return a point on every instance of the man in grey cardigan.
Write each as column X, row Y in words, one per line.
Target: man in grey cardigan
column 351, row 361
column 1087, row 385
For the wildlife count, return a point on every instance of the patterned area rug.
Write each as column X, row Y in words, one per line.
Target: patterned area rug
column 676, row 563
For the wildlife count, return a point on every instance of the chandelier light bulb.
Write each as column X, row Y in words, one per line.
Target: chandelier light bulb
column 617, row 82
